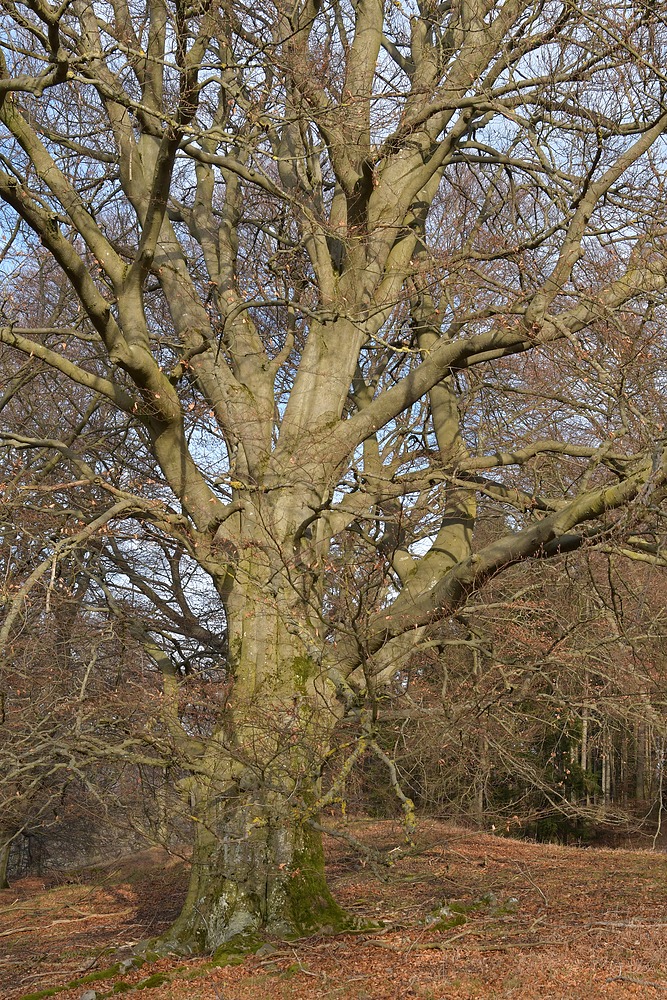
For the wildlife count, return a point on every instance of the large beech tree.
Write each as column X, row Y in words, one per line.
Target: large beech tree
column 341, row 272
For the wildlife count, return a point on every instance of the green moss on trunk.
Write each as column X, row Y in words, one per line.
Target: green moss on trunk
column 309, row 902
column 263, row 875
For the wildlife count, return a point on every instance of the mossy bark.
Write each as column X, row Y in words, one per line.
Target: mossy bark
column 258, row 865
column 256, row 871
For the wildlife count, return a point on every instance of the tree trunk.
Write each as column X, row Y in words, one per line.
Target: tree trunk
column 585, row 753
column 640, row 763
column 258, row 864
column 4, row 864
column 255, row 870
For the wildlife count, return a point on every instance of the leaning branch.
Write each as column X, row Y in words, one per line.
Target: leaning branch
column 547, row 538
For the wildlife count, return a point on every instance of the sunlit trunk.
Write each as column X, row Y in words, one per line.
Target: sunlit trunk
column 258, row 863
column 256, row 870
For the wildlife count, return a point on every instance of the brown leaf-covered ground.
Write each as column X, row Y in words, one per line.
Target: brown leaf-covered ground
column 540, row 921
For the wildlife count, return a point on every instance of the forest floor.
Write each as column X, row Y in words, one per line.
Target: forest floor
column 517, row 920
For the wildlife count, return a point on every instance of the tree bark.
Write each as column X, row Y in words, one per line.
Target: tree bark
column 258, row 864
column 4, row 864
column 640, row 762
column 256, row 870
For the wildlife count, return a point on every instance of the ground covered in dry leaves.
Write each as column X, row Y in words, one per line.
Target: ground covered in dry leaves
column 469, row 915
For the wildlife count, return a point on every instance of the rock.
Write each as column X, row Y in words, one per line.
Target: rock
column 88, row 995
column 442, row 913
column 266, row 949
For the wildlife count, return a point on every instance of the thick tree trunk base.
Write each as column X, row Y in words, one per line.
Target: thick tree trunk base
column 263, row 879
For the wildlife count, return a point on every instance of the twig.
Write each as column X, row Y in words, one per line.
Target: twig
column 443, row 945
column 69, row 920
column 504, row 946
column 54, row 974
column 413, row 944
column 91, row 916
column 301, row 968
column 637, row 980
column 516, row 944
column 619, row 923
column 660, row 796
column 532, row 882
column 92, row 962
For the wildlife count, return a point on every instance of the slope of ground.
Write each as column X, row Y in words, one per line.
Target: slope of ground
column 469, row 916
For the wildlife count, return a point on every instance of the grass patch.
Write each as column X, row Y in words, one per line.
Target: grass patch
column 158, row 979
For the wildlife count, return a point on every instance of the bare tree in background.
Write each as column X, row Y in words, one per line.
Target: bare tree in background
column 339, row 272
